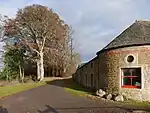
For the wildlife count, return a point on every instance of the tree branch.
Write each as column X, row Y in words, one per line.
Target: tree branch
column 33, row 49
column 43, row 44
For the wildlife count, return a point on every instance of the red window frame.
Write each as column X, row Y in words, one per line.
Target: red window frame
column 131, row 77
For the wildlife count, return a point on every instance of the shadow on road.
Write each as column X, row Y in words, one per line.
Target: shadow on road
column 109, row 109
column 3, row 110
column 69, row 83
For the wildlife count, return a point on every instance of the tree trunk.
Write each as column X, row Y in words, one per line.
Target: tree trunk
column 22, row 74
column 52, row 71
column 38, row 70
column 21, row 71
column 40, row 67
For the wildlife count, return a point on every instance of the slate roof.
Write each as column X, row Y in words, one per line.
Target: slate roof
column 85, row 63
column 81, row 65
column 136, row 34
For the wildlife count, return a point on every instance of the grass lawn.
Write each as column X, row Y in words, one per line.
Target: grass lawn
column 137, row 103
column 75, row 88
column 8, row 90
column 77, row 92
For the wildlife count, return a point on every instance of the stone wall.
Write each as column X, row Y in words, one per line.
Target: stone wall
column 106, row 71
column 87, row 74
column 96, row 73
column 110, row 64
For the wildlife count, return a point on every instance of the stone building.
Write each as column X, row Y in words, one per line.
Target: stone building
column 123, row 66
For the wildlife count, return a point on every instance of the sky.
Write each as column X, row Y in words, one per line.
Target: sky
column 95, row 22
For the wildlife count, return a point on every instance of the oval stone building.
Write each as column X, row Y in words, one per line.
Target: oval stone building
column 123, row 66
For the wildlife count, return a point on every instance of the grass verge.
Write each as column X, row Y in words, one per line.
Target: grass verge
column 76, row 89
column 137, row 103
column 76, row 92
column 9, row 90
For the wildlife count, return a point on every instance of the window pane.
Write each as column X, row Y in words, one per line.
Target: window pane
column 138, row 72
column 126, row 81
column 136, row 81
column 126, row 72
column 133, row 71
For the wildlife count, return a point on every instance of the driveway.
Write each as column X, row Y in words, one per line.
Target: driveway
column 52, row 98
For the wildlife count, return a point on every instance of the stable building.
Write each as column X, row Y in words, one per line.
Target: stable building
column 123, row 66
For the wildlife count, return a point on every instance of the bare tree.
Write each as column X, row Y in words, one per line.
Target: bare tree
column 63, row 58
column 37, row 27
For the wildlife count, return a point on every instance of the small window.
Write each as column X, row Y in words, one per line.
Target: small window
column 91, row 65
column 131, row 78
column 86, row 80
column 130, row 58
column 92, row 78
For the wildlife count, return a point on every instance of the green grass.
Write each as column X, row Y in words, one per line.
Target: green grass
column 73, row 91
column 9, row 90
column 137, row 103
column 75, row 88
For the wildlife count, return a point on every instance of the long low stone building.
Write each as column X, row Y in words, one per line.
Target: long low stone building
column 123, row 66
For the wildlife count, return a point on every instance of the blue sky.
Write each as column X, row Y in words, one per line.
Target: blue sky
column 96, row 22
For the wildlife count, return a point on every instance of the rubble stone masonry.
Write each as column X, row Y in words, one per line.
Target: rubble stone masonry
column 106, row 71
column 110, row 64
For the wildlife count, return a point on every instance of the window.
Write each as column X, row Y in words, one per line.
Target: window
column 91, row 65
column 130, row 58
column 92, row 78
column 131, row 78
column 86, row 80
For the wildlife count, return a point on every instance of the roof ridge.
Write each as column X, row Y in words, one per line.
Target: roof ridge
column 139, row 21
column 136, row 34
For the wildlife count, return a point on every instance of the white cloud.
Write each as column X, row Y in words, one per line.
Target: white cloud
column 96, row 22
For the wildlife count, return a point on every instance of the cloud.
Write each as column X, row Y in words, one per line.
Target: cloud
column 96, row 22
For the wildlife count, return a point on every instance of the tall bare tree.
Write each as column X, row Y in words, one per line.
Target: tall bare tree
column 37, row 27
column 63, row 58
